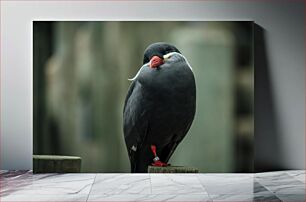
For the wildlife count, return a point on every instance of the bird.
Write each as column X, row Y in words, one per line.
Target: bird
column 159, row 108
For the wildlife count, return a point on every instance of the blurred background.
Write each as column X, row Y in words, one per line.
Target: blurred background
column 81, row 72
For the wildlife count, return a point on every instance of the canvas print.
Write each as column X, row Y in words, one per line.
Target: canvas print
column 143, row 96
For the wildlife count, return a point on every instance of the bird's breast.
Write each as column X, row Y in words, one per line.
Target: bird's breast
column 169, row 100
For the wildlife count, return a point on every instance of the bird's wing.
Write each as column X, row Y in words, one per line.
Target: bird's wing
column 131, row 88
column 168, row 150
column 134, row 126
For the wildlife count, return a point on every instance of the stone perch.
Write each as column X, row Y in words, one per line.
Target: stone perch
column 56, row 164
column 172, row 169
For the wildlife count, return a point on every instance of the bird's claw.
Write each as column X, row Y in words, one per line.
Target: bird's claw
column 160, row 164
column 156, row 159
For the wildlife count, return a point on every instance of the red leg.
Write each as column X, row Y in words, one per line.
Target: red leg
column 156, row 159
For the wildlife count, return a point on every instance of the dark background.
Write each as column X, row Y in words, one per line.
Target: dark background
column 80, row 82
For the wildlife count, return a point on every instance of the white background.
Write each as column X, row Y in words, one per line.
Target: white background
column 283, row 22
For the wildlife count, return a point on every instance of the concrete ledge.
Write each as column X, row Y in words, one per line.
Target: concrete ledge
column 172, row 169
column 56, row 164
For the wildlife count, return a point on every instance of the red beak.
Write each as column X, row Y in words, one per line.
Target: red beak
column 156, row 62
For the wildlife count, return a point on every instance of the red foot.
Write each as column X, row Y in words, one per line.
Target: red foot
column 156, row 160
column 160, row 164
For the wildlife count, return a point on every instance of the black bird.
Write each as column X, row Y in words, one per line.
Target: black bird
column 159, row 107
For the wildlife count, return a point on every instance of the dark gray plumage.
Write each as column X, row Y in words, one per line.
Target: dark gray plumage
column 159, row 107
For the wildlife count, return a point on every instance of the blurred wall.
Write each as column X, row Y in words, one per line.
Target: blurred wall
column 283, row 22
column 80, row 90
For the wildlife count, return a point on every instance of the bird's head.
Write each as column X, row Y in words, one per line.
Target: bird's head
column 160, row 56
column 156, row 53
